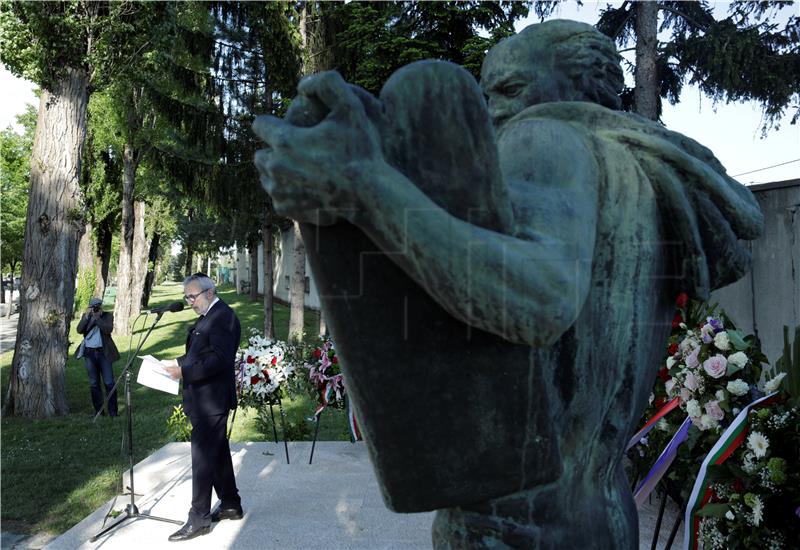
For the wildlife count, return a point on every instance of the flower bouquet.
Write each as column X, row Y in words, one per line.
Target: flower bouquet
column 262, row 370
column 325, row 381
column 709, row 375
column 754, row 500
column 747, row 494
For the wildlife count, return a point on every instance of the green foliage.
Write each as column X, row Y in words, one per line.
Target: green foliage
column 15, row 152
column 789, row 363
column 178, row 424
column 744, row 56
column 42, row 39
column 84, row 289
column 375, row 39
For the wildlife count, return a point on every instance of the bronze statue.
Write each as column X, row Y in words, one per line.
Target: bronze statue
column 500, row 282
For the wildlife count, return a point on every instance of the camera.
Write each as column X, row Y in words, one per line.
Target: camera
column 96, row 308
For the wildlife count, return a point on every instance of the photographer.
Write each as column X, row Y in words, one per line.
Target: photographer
column 99, row 352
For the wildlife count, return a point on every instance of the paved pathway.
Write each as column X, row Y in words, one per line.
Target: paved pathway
column 333, row 503
column 8, row 331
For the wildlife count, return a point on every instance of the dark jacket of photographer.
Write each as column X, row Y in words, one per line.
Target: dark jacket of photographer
column 105, row 322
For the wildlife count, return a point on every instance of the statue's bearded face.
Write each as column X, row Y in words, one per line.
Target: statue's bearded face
column 516, row 75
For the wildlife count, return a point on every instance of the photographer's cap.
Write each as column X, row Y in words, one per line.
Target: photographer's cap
column 95, row 302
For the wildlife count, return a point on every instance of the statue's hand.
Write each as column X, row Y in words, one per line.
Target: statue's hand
column 313, row 173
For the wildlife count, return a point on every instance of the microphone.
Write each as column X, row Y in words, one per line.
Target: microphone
column 173, row 307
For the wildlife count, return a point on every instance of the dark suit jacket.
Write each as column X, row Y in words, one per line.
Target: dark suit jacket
column 209, row 382
column 106, row 324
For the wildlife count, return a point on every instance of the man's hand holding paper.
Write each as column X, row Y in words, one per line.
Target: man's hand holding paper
column 155, row 374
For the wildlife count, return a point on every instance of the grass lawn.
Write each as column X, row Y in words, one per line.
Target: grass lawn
column 56, row 471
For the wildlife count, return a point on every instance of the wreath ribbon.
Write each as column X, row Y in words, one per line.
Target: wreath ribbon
column 728, row 442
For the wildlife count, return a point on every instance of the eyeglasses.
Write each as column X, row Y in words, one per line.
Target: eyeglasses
column 192, row 297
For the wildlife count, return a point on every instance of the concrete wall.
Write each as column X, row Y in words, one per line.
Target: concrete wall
column 769, row 297
column 282, row 269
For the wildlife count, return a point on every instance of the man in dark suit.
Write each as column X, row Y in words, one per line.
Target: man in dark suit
column 209, row 392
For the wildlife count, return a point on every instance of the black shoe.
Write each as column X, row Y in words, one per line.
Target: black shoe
column 189, row 531
column 227, row 512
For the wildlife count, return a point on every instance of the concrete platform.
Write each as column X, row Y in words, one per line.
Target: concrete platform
column 333, row 503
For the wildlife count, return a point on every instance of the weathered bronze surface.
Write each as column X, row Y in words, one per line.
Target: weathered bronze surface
column 500, row 281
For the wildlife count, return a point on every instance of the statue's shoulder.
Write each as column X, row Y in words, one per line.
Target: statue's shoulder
column 545, row 150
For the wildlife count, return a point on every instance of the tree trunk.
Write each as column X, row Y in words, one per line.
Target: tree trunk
column 103, row 258
column 123, row 304
column 297, row 289
column 53, row 229
column 315, row 59
column 187, row 268
column 86, row 277
column 141, row 247
column 252, row 248
column 269, row 275
column 86, row 250
column 646, row 94
column 152, row 257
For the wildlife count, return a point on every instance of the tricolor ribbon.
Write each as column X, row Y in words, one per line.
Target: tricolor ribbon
column 662, row 464
column 324, row 396
column 728, row 442
column 355, row 432
column 662, row 412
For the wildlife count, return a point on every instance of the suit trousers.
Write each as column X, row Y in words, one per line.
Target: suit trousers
column 211, row 467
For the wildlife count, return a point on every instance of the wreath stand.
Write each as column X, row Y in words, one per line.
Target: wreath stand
column 272, row 418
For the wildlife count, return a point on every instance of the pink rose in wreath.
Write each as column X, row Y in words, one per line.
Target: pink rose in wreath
column 715, row 366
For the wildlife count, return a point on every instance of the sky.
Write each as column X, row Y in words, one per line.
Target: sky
column 731, row 131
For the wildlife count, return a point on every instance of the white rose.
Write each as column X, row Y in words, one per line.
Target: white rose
column 693, row 408
column 737, row 387
column 720, row 395
column 722, row 342
column 738, row 359
column 670, row 362
column 669, row 386
column 707, row 422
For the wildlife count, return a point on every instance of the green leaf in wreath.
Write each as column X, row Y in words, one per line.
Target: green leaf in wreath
column 714, row 510
column 737, row 339
column 731, row 369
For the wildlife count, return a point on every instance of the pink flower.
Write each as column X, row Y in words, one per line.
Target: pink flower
column 691, row 382
column 686, row 395
column 691, row 359
column 715, row 366
column 714, row 410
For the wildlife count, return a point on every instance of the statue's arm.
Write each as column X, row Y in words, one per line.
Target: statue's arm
column 527, row 288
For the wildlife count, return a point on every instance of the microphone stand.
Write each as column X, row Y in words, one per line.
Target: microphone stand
column 131, row 511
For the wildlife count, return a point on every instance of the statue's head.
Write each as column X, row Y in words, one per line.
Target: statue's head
column 558, row 60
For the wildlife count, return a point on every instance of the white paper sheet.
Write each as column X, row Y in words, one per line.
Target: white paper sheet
column 153, row 375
